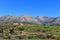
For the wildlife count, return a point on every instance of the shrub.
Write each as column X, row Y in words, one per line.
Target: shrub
column 41, row 35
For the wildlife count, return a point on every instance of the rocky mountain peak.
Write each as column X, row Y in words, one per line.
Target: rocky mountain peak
column 29, row 19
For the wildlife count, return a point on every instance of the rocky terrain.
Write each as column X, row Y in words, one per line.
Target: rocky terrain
column 25, row 27
column 29, row 19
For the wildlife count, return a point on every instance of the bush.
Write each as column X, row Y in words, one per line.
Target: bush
column 41, row 35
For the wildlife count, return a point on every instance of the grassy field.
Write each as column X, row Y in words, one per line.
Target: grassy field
column 30, row 32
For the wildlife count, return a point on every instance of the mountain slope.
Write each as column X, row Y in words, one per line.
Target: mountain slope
column 7, row 18
column 44, row 19
column 56, row 21
column 18, row 19
column 29, row 19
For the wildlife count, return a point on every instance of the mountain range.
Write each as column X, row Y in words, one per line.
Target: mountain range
column 29, row 19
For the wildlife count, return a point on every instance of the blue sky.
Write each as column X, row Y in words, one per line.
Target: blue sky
column 33, row 8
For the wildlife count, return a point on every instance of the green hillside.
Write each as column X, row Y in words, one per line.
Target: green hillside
column 29, row 32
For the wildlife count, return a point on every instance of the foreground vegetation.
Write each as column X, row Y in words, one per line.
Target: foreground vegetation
column 29, row 32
